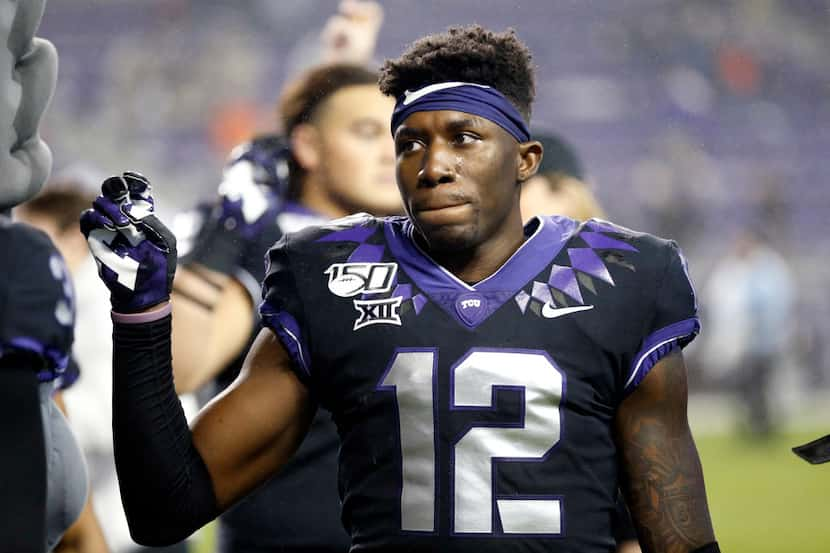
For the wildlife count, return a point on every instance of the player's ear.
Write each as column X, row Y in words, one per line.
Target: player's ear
column 530, row 156
column 306, row 147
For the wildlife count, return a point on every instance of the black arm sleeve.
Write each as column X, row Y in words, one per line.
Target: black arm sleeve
column 165, row 486
column 23, row 461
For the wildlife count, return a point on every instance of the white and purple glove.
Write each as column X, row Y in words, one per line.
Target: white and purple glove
column 242, row 224
column 135, row 252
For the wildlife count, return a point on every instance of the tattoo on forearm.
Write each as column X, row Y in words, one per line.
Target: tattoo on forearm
column 668, row 499
column 670, row 503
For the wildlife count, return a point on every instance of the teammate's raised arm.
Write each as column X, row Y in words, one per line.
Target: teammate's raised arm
column 350, row 35
column 174, row 481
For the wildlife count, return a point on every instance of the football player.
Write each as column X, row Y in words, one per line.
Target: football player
column 493, row 384
column 43, row 483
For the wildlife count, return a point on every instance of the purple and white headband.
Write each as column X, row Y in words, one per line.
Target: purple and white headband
column 472, row 98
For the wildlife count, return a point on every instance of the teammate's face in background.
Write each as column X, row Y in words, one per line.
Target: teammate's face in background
column 356, row 152
column 565, row 196
column 457, row 174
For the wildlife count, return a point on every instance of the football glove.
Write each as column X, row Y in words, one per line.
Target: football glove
column 135, row 252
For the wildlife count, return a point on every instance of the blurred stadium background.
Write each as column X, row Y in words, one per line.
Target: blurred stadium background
column 696, row 120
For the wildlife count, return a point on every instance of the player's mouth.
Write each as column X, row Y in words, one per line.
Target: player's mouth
column 444, row 214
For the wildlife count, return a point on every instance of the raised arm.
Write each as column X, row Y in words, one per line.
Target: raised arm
column 661, row 473
column 173, row 480
column 351, row 34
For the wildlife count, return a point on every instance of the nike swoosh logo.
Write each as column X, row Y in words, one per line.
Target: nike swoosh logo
column 411, row 96
column 551, row 312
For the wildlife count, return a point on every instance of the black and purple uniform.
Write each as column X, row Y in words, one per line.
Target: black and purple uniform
column 477, row 417
column 44, row 487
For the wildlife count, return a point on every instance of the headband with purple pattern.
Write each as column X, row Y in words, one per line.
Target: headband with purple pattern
column 475, row 99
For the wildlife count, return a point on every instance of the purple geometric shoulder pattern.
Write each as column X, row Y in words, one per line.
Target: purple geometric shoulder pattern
column 355, row 228
column 567, row 284
column 472, row 304
column 359, row 228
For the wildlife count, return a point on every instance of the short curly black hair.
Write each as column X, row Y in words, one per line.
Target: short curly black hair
column 469, row 54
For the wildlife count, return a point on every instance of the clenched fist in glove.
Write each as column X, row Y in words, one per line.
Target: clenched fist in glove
column 135, row 252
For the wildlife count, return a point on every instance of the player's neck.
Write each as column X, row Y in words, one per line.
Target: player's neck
column 477, row 263
column 315, row 197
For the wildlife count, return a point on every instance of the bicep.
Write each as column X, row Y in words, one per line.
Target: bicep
column 661, row 471
column 250, row 430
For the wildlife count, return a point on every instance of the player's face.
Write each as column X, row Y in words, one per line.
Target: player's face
column 458, row 177
column 570, row 198
column 357, row 152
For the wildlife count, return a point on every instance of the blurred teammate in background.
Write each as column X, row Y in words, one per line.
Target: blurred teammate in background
column 337, row 159
column 559, row 187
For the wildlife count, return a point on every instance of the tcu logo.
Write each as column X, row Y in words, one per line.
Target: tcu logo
column 466, row 304
column 350, row 279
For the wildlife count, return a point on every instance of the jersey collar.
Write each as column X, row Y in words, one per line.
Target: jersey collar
column 546, row 237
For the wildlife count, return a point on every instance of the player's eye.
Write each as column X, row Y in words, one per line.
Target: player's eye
column 465, row 138
column 408, row 146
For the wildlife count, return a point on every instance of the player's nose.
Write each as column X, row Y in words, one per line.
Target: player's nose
column 437, row 167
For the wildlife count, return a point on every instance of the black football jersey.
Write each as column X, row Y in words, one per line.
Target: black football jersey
column 477, row 417
column 37, row 306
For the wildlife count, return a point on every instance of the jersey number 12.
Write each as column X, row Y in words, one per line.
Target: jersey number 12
column 412, row 376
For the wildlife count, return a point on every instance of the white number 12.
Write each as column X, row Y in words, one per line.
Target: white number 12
column 473, row 379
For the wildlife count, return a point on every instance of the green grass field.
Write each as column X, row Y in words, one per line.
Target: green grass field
column 763, row 499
